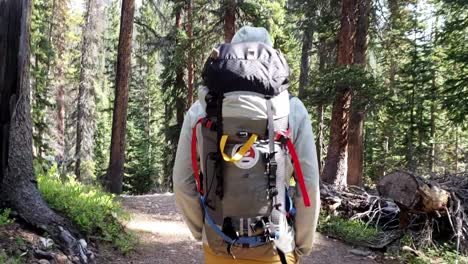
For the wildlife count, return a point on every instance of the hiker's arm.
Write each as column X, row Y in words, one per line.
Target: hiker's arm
column 306, row 217
column 187, row 197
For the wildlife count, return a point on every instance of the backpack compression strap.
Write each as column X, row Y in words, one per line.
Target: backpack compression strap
column 297, row 165
column 240, row 154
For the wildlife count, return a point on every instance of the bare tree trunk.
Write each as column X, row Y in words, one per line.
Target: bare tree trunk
column 456, row 148
column 411, row 162
column 86, row 91
column 119, row 119
column 356, row 148
column 433, row 125
column 433, row 105
column 336, row 164
column 190, row 68
column 358, row 111
column 307, row 39
column 410, row 135
column 319, row 140
column 179, row 81
column 229, row 20
column 60, row 101
column 17, row 180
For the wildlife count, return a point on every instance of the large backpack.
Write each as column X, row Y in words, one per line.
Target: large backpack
column 244, row 150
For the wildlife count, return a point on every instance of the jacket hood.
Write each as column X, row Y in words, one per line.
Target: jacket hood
column 252, row 34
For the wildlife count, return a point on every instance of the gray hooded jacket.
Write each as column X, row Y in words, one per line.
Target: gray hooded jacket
column 187, row 197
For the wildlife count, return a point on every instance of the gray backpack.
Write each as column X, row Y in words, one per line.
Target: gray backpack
column 244, row 149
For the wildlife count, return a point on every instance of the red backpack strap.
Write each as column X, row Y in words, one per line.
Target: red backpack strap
column 194, row 155
column 297, row 166
column 300, row 176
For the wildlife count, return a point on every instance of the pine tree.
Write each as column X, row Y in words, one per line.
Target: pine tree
column 42, row 54
column 335, row 170
column 85, row 122
column 17, row 178
column 105, row 96
column 358, row 108
column 119, row 118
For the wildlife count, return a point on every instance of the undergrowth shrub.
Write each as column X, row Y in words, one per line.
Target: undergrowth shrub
column 93, row 211
column 5, row 259
column 5, row 217
column 348, row 230
column 434, row 254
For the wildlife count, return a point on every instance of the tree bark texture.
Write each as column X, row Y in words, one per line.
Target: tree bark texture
column 190, row 66
column 59, row 41
column 356, row 147
column 319, row 138
column 307, row 39
column 358, row 109
column 17, row 180
column 85, row 123
column 119, row 119
column 336, row 164
column 179, row 82
column 229, row 20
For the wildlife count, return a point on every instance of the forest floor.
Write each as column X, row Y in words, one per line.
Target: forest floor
column 164, row 238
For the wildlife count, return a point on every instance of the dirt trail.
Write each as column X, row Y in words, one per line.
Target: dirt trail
column 164, row 238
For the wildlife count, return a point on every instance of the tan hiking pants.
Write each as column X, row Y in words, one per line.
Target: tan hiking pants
column 212, row 258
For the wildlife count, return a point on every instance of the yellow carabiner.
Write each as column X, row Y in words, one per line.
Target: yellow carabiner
column 238, row 156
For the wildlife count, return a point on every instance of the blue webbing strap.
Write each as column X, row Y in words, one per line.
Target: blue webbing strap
column 252, row 241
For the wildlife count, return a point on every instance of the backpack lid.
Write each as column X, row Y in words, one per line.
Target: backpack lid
column 249, row 105
column 246, row 66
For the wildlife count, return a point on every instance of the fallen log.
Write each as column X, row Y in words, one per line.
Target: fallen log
column 428, row 208
column 413, row 193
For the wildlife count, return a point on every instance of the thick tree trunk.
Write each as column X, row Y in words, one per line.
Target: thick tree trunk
column 307, row 39
column 356, row 148
column 229, row 20
column 119, row 119
column 358, row 111
column 17, row 180
column 336, row 164
column 86, row 91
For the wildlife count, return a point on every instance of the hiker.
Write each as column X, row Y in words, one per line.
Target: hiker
column 232, row 178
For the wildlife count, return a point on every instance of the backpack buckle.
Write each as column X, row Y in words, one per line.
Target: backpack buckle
column 272, row 167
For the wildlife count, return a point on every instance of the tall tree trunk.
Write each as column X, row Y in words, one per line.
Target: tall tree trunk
column 59, row 79
column 119, row 119
column 433, row 124
column 179, row 81
column 410, row 135
column 456, row 148
column 323, row 56
column 356, row 147
column 85, row 122
column 60, row 127
column 190, row 68
column 229, row 20
column 411, row 162
column 358, row 111
column 319, row 140
column 17, row 180
column 433, row 103
column 336, row 164
column 307, row 39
